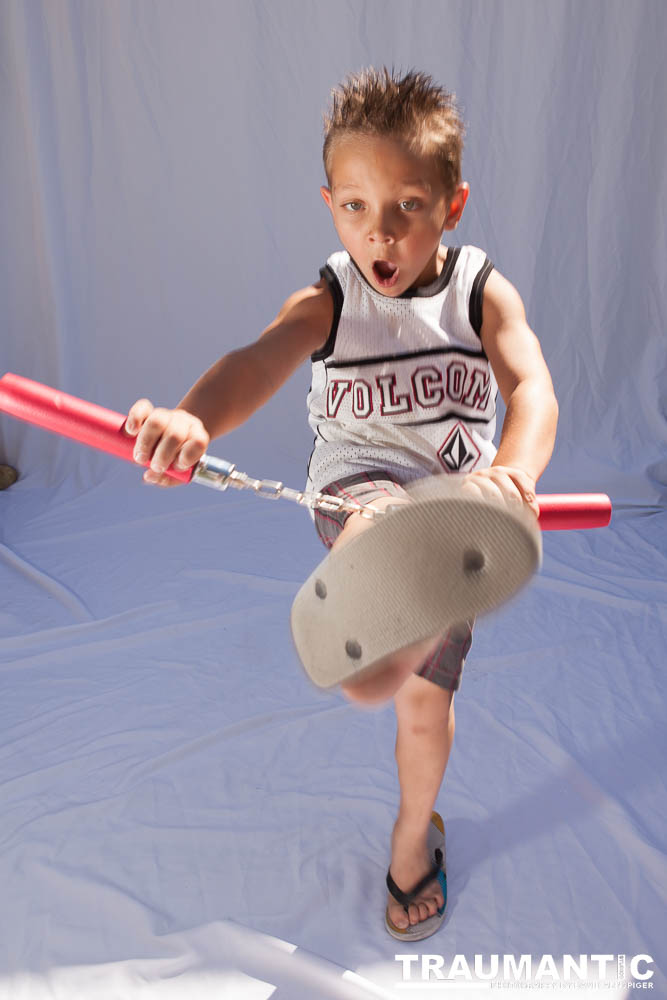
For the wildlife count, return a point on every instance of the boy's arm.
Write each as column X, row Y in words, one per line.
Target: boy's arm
column 243, row 380
column 529, row 429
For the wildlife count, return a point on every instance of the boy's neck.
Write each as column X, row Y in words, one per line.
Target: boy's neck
column 430, row 276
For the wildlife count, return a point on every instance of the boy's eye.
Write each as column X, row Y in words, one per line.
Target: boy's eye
column 408, row 205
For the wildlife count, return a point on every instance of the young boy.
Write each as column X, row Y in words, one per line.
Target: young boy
column 409, row 340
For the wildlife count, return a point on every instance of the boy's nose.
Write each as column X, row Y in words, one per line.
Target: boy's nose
column 381, row 230
column 381, row 234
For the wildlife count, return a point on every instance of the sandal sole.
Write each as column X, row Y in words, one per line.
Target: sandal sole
column 415, row 572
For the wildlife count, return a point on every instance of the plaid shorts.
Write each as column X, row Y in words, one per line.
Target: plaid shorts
column 445, row 666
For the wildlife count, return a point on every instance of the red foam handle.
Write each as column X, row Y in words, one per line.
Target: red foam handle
column 573, row 510
column 73, row 418
column 103, row 429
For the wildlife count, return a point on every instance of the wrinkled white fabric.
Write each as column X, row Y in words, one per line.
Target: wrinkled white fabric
column 181, row 813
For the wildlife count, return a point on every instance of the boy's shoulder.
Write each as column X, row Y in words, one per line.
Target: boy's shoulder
column 311, row 301
column 339, row 257
column 339, row 262
column 469, row 257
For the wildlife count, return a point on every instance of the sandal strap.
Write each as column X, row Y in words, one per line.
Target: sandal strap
column 405, row 898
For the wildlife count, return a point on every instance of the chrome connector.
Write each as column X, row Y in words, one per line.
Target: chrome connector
column 213, row 472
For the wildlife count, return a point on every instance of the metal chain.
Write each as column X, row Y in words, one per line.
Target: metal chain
column 271, row 490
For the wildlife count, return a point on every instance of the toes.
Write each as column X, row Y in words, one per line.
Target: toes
column 398, row 916
column 417, row 912
column 422, row 910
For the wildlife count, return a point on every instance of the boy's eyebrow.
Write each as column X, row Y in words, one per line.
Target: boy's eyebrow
column 415, row 182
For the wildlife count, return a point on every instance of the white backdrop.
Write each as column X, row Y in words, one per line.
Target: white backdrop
column 160, row 165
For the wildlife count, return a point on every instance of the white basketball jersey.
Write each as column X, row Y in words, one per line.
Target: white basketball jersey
column 403, row 383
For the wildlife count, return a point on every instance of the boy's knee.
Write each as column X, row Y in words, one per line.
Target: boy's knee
column 377, row 685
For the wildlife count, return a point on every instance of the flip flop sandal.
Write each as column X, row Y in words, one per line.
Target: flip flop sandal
column 415, row 932
column 444, row 558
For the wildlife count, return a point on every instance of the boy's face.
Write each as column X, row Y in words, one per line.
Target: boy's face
column 389, row 205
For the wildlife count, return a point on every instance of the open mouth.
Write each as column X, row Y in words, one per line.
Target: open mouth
column 385, row 273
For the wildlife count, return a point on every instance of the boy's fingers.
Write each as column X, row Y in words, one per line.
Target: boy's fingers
column 165, row 438
column 489, row 489
column 526, row 487
column 182, row 464
column 150, row 434
column 511, row 490
column 136, row 416
column 160, row 480
column 471, row 487
column 513, row 486
column 180, row 437
column 495, row 483
column 487, row 486
column 191, row 452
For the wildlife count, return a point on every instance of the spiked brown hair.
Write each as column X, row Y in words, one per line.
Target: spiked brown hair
column 413, row 108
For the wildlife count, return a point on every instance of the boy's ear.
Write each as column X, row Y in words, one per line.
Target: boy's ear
column 456, row 205
column 326, row 194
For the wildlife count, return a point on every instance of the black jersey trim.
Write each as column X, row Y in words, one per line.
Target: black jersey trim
column 310, row 458
column 477, row 296
column 430, row 352
column 442, row 419
column 440, row 283
column 451, row 415
column 334, row 287
column 422, row 291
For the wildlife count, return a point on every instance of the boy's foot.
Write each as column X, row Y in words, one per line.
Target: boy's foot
column 411, row 862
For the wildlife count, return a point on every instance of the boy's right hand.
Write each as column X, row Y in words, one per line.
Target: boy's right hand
column 165, row 437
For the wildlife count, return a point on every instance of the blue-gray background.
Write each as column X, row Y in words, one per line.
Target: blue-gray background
column 166, row 766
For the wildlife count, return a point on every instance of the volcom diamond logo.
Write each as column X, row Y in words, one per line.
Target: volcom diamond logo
column 459, row 453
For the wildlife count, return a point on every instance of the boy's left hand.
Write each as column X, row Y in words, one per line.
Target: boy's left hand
column 514, row 486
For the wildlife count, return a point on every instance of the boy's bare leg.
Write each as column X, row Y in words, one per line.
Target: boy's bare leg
column 391, row 671
column 425, row 732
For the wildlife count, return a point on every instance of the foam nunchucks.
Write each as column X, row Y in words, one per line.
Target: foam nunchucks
column 424, row 566
column 103, row 429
